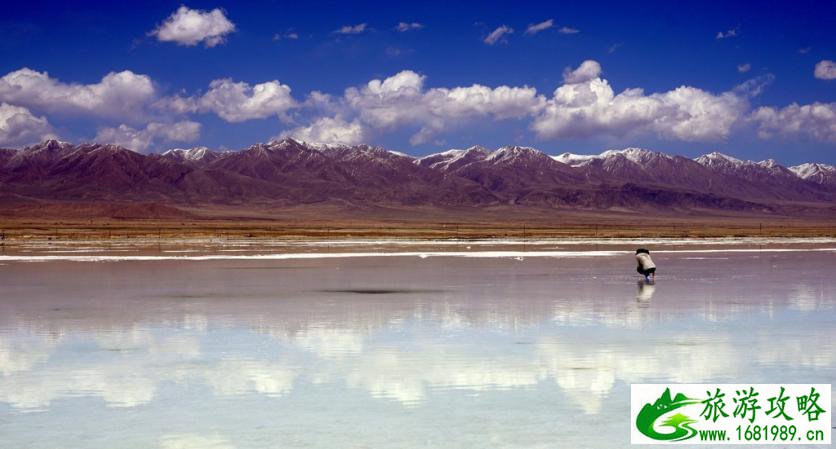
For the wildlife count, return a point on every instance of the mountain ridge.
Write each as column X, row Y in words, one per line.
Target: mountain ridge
column 288, row 172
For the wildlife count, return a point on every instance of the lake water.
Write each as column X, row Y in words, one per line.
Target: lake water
column 410, row 351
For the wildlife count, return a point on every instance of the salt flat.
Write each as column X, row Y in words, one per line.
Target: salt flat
column 207, row 349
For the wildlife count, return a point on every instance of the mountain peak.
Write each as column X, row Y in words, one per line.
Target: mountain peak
column 637, row 155
column 816, row 172
column 716, row 157
column 454, row 158
column 768, row 163
column 514, row 152
column 49, row 144
column 806, row 169
column 190, row 154
column 576, row 160
column 285, row 143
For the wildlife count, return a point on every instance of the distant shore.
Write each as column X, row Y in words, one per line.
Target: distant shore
column 710, row 227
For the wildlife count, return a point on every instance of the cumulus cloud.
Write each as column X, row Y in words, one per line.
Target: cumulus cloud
column 353, row 29
column 498, row 34
column 587, row 105
column 401, row 99
column 568, row 30
column 329, row 130
column 535, row 28
column 121, row 94
column 235, row 101
column 407, row 26
column 743, row 68
column 732, row 32
column 825, row 70
column 18, row 126
column 142, row 139
column 588, row 70
column 817, row 120
column 190, row 27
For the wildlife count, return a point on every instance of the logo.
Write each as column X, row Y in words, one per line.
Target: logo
column 730, row 414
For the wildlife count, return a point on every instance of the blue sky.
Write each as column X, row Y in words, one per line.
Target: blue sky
column 448, row 84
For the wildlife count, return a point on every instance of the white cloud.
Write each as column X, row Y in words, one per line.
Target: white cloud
column 190, row 27
column 825, row 70
column 407, row 26
column 353, row 29
column 732, row 32
column 498, row 34
column 288, row 35
column 568, row 30
column 588, row 70
column 743, row 68
column 587, row 105
column 817, row 120
column 18, row 126
column 753, row 87
column 329, row 130
column 402, row 100
column 235, row 101
column 535, row 28
column 121, row 94
column 141, row 140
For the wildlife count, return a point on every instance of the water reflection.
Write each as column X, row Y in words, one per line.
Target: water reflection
column 646, row 290
column 497, row 334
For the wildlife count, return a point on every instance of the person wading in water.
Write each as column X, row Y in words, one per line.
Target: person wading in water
column 645, row 267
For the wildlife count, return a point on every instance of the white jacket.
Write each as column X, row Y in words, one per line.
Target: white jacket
column 645, row 261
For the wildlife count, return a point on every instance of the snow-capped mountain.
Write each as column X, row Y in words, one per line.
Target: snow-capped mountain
column 819, row 173
column 453, row 159
column 576, row 160
column 635, row 155
column 287, row 172
column 766, row 177
column 196, row 155
column 722, row 163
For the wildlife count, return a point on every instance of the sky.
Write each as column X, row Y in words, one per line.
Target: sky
column 755, row 80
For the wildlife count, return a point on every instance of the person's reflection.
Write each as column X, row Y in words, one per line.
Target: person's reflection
column 645, row 293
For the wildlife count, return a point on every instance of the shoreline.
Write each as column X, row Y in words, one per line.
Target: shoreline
column 167, row 230
column 516, row 255
column 211, row 248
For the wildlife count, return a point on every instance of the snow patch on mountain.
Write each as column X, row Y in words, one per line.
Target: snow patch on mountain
column 636, row 155
column 450, row 158
column 513, row 153
column 824, row 174
column 190, row 154
column 810, row 169
column 717, row 159
column 576, row 160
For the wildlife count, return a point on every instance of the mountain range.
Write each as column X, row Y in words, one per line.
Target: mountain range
column 289, row 173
